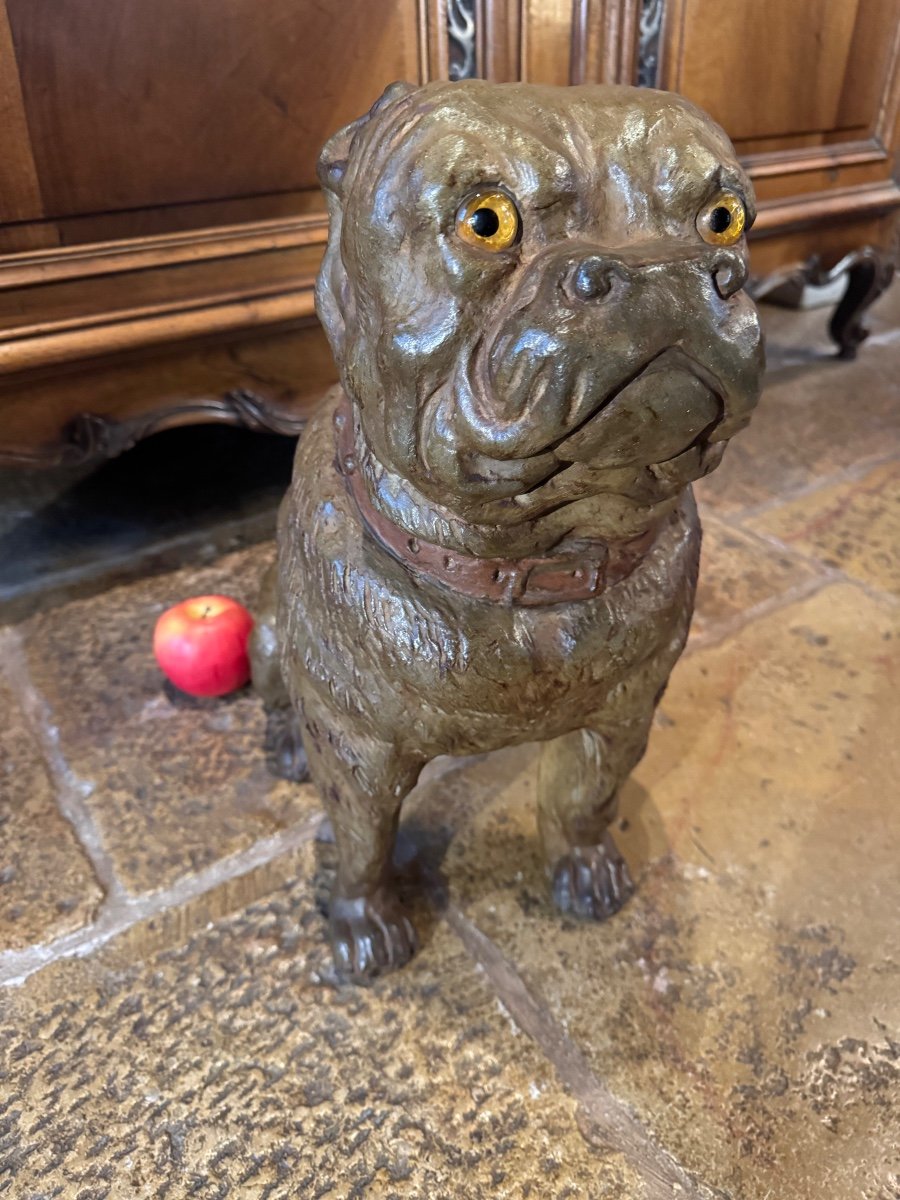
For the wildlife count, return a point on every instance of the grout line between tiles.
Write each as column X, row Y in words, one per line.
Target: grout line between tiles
column 714, row 635
column 824, row 575
column 737, row 518
column 119, row 910
column 608, row 1123
column 69, row 790
column 829, row 574
column 123, row 912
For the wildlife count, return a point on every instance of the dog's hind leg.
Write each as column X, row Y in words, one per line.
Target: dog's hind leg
column 362, row 781
column 579, row 775
column 285, row 755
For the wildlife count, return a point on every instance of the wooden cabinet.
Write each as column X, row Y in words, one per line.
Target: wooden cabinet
column 160, row 223
column 808, row 91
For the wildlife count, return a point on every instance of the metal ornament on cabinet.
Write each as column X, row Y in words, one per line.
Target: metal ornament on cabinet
column 461, row 38
column 649, row 37
column 535, row 299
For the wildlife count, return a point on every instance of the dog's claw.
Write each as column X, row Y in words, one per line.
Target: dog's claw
column 592, row 881
column 285, row 755
column 370, row 936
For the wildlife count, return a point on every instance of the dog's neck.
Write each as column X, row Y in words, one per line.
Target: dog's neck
column 574, row 570
column 589, row 526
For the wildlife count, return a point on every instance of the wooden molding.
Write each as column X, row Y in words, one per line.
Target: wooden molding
column 161, row 250
column 129, row 295
column 604, row 41
column 133, row 330
column 820, row 158
column 798, row 212
column 91, row 437
column 268, row 378
column 501, row 32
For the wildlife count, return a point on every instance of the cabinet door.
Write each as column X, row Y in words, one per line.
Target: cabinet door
column 20, row 194
column 142, row 103
column 808, row 92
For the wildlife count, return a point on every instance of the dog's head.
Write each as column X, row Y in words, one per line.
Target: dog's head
column 534, row 293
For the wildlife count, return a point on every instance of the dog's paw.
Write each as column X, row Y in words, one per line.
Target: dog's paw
column 592, row 881
column 370, row 936
column 285, row 756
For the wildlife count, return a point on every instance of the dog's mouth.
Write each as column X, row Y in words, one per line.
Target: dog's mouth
column 610, row 386
column 552, row 416
column 671, row 403
column 554, row 403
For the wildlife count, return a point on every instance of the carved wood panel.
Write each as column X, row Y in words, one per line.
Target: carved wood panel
column 163, row 225
column 808, row 91
column 135, row 103
column 771, row 72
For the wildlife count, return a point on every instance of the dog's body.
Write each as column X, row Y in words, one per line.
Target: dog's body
column 490, row 537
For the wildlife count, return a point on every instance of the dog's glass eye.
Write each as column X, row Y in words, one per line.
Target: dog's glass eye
column 489, row 220
column 722, row 220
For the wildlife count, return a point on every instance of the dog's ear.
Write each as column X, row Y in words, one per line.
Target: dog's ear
column 335, row 300
column 332, row 164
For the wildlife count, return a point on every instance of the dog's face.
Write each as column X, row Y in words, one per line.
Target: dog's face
column 533, row 293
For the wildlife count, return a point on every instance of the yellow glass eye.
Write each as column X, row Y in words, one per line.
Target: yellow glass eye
column 722, row 220
column 489, row 220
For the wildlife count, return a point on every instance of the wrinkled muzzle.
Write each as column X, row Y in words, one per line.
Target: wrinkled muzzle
column 615, row 360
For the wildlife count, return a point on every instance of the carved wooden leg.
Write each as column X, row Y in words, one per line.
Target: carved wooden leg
column 869, row 274
column 579, row 776
column 362, row 783
column 285, row 754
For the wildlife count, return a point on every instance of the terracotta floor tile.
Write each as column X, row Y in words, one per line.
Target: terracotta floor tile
column 47, row 885
column 739, row 572
column 807, row 428
column 746, row 1000
column 853, row 525
column 172, row 788
column 229, row 1066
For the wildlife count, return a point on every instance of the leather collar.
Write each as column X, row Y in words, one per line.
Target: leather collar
column 527, row 582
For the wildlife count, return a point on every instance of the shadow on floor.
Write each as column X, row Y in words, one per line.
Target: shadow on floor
column 182, row 496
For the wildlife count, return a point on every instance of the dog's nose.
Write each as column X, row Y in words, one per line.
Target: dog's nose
column 593, row 277
column 729, row 272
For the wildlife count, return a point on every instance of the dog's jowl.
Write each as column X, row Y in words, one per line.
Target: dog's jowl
column 534, row 298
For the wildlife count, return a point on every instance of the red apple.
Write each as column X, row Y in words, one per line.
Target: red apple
column 201, row 645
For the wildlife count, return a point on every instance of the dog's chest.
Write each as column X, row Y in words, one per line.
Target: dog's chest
column 351, row 613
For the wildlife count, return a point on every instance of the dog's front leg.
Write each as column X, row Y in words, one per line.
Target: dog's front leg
column 285, row 753
column 579, row 776
column 362, row 781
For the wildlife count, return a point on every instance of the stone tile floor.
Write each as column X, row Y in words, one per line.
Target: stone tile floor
column 169, row 1022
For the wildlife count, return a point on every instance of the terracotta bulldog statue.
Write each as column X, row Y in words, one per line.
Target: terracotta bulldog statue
column 534, row 298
